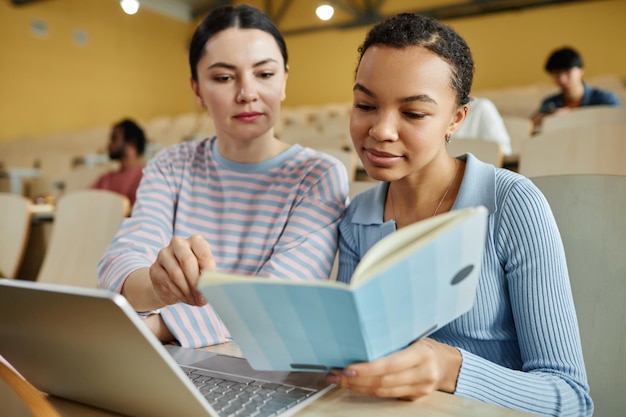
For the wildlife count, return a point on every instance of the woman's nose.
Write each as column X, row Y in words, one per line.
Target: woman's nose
column 383, row 129
column 246, row 92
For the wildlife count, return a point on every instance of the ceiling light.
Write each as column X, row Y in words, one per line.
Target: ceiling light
column 325, row 11
column 129, row 6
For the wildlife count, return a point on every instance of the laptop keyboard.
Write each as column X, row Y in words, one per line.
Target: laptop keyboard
column 232, row 395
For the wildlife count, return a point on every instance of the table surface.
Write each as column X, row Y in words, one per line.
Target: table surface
column 345, row 403
column 41, row 212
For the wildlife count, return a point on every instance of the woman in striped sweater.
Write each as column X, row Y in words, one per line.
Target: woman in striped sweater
column 241, row 202
column 519, row 345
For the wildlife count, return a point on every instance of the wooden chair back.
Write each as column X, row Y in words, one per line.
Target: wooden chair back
column 19, row 398
column 85, row 222
column 485, row 150
column 591, row 149
column 347, row 158
column 519, row 129
column 582, row 116
column 81, row 177
column 14, row 228
column 589, row 211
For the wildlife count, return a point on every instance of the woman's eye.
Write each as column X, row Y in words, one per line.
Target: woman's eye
column 222, row 78
column 363, row 107
column 411, row 115
column 266, row 74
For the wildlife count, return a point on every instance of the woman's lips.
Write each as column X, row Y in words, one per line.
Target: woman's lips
column 380, row 158
column 248, row 116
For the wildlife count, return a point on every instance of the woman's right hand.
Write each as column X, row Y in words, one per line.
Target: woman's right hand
column 176, row 271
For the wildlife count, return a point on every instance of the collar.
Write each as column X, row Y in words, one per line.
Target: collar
column 478, row 188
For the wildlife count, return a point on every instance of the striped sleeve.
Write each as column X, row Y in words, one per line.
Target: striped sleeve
column 147, row 231
column 280, row 222
column 308, row 244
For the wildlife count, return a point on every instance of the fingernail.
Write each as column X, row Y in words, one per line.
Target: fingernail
column 349, row 373
column 332, row 379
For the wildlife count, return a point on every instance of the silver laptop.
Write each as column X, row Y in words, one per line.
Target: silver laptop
column 89, row 346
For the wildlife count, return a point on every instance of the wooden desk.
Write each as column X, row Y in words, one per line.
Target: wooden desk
column 345, row 403
column 41, row 213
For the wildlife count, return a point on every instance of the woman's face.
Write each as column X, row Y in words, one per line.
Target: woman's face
column 403, row 108
column 241, row 81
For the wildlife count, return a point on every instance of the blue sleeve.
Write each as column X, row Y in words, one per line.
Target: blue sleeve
column 348, row 247
column 548, row 106
column 610, row 99
column 550, row 379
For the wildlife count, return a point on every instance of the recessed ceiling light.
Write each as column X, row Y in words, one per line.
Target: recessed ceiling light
column 325, row 12
column 129, row 6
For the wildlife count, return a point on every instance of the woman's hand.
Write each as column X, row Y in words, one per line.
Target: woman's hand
column 423, row 367
column 175, row 273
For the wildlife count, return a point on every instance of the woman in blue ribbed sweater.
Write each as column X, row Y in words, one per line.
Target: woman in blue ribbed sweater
column 519, row 346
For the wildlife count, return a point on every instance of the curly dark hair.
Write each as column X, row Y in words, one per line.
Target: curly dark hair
column 410, row 29
column 242, row 16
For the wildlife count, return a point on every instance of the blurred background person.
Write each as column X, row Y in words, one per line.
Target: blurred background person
column 126, row 145
column 566, row 67
column 483, row 121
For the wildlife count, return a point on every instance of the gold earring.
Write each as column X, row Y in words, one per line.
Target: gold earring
column 448, row 135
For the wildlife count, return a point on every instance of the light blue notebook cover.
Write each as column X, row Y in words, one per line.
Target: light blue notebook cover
column 424, row 276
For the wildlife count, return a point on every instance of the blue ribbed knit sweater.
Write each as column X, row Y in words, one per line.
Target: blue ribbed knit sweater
column 520, row 342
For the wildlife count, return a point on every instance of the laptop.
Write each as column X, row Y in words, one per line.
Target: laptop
column 90, row 346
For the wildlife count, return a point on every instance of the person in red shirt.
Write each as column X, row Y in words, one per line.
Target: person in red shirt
column 126, row 144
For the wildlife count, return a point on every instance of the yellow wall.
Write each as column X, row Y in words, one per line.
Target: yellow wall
column 131, row 66
column 137, row 65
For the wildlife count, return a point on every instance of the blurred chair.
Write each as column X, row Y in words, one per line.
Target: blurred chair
column 583, row 116
column 589, row 211
column 519, row 129
column 81, row 177
column 347, row 158
column 485, row 150
column 159, row 130
column 184, row 127
column 19, row 398
column 335, row 133
column 520, row 100
column 84, row 224
column 591, row 149
column 357, row 187
column 14, row 228
column 206, row 127
column 305, row 134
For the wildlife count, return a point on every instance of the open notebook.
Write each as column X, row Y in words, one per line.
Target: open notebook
column 89, row 345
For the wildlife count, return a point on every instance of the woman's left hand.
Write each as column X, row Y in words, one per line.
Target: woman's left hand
column 421, row 368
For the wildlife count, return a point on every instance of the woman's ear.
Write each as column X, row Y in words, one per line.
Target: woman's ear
column 457, row 118
column 196, row 91
column 284, row 95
